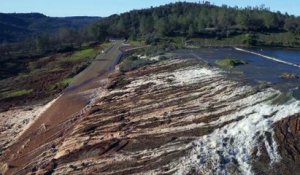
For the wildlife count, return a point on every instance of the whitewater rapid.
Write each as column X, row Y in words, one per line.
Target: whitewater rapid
column 235, row 141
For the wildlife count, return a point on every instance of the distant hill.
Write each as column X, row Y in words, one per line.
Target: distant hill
column 197, row 20
column 15, row 27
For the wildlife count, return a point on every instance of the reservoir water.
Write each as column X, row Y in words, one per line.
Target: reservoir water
column 261, row 69
column 292, row 56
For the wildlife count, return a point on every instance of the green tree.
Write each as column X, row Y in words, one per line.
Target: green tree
column 290, row 24
column 250, row 39
column 99, row 31
column 121, row 26
column 146, row 25
column 201, row 24
column 161, row 26
column 42, row 43
column 242, row 20
column 270, row 20
column 191, row 31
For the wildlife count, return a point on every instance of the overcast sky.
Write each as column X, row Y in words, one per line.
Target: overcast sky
column 107, row 7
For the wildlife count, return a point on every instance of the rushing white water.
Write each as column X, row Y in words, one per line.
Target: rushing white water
column 238, row 132
column 233, row 144
column 268, row 57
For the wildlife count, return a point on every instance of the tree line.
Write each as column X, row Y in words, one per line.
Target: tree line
column 65, row 39
column 176, row 19
column 35, row 33
column 195, row 20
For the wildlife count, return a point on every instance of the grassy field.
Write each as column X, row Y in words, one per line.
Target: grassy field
column 15, row 93
column 81, row 55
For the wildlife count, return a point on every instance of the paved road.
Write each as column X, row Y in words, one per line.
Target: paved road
column 52, row 124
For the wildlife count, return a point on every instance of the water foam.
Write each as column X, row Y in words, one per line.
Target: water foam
column 233, row 144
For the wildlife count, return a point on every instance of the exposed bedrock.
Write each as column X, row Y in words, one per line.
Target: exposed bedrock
column 176, row 117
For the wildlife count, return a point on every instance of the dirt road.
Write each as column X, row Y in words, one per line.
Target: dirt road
column 54, row 122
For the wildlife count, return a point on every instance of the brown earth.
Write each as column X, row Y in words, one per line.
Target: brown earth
column 54, row 122
column 43, row 76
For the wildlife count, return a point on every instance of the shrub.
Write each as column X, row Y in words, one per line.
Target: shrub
column 152, row 39
column 133, row 62
column 15, row 93
column 230, row 62
column 250, row 39
column 77, row 69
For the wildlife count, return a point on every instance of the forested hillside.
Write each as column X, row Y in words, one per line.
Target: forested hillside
column 17, row 27
column 197, row 20
column 25, row 38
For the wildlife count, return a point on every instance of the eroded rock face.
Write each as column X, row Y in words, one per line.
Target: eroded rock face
column 175, row 116
column 15, row 121
column 287, row 133
column 287, row 138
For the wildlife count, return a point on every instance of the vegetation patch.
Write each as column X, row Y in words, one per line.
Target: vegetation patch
column 133, row 62
column 212, row 25
column 67, row 81
column 136, row 43
column 164, row 44
column 81, row 55
column 43, row 77
column 230, row 62
column 15, row 93
column 61, row 85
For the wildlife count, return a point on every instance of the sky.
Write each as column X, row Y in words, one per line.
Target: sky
column 103, row 8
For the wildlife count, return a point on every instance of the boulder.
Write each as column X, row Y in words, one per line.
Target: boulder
column 287, row 75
